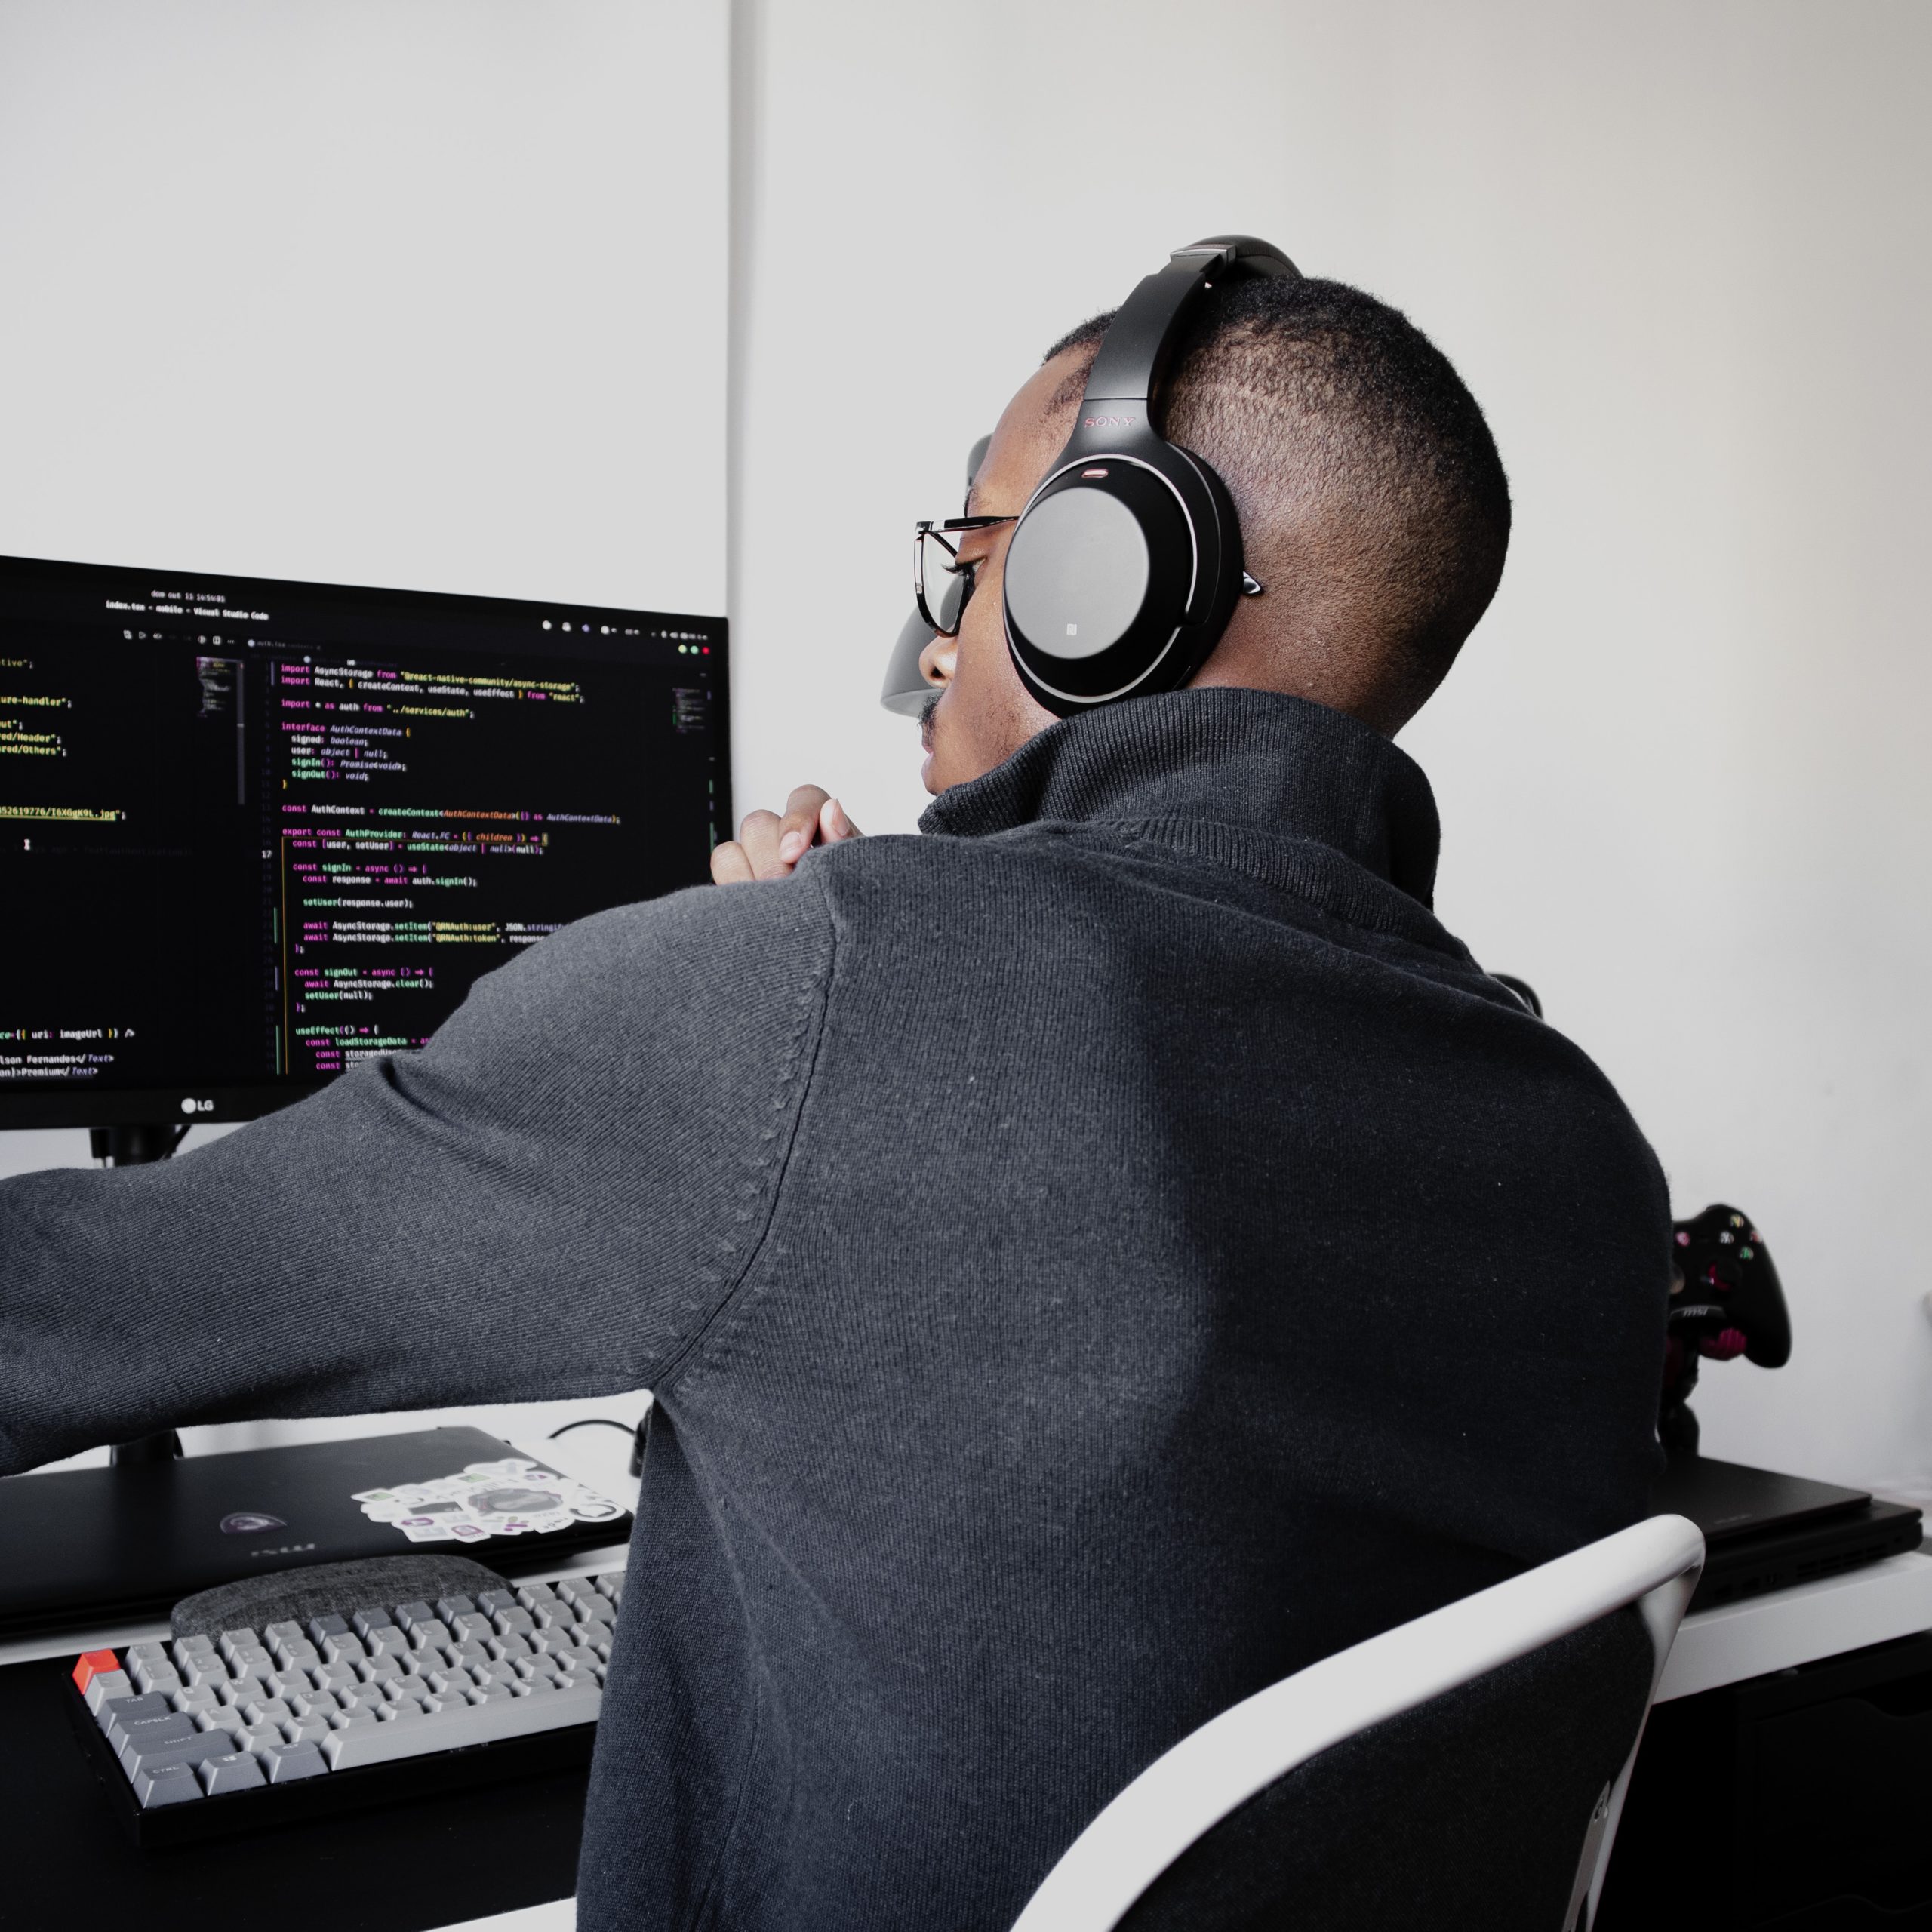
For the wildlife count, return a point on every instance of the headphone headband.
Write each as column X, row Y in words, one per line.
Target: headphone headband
column 1134, row 352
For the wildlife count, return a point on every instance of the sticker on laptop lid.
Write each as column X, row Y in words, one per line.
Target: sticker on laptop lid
column 514, row 1497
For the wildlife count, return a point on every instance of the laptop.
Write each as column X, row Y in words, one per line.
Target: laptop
column 1764, row 1531
column 83, row 1546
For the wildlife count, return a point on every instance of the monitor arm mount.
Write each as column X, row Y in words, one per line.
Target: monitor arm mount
column 130, row 1147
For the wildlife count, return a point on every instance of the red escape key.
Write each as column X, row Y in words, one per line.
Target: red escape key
column 94, row 1663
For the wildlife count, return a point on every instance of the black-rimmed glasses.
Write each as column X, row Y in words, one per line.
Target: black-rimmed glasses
column 941, row 584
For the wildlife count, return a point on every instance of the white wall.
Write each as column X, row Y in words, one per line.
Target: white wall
column 418, row 293
column 1680, row 251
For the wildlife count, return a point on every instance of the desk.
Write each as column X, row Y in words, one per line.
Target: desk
column 1715, row 1647
column 1873, row 1605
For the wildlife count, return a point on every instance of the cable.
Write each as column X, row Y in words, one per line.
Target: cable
column 591, row 1422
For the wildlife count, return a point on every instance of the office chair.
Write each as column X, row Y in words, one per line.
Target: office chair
column 1465, row 1769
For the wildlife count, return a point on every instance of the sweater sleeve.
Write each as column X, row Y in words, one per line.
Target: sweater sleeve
column 551, row 1198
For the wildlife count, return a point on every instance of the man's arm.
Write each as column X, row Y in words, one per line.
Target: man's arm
column 549, row 1199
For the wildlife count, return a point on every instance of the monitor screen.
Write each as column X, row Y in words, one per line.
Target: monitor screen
column 252, row 832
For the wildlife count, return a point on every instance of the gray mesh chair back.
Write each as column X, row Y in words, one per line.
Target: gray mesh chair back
column 1467, row 1769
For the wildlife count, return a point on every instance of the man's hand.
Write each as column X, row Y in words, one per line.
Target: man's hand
column 769, row 847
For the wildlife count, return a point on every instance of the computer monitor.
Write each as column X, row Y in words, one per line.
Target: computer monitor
column 253, row 831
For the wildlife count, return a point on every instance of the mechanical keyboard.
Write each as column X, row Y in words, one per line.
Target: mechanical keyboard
column 204, row 1735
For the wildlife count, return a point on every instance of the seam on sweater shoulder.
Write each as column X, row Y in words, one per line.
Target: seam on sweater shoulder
column 790, row 1092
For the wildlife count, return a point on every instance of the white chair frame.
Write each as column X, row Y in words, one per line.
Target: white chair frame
column 1654, row 1564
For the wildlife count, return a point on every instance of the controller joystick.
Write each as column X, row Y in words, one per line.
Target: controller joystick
column 1725, row 1301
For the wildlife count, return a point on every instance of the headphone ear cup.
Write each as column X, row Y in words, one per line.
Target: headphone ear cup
column 1104, row 573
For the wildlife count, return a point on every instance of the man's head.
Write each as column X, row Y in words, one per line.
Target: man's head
column 1373, row 509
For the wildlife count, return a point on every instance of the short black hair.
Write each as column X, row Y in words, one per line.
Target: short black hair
column 1327, row 410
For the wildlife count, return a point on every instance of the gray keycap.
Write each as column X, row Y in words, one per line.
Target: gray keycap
column 330, row 1626
column 490, row 1694
column 379, row 1670
column 471, row 1655
column 493, row 1603
column 501, row 1716
column 149, row 1676
column 472, row 1625
column 549, row 1643
column 290, row 1630
column 515, row 1621
column 240, row 1639
column 139, row 1754
column 535, row 1666
column 198, row 1697
column 265, row 1710
column 410, row 1685
column 251, row 1663
column 201, row 1640
column 237, row 1771
column 410, row 1614
column 145, row 1653
column 450, row 1608
column 505, row 1648
column 333, row 1676
column 451, row 1680
column 539, row 1683
column 530, row 1594
column 295, row 1650
column 575, row 1590
column 115, row 1718
column 371, row 1617
column 388, row 1641
column 305, row 1730
column 166, row 1784
column 285, row 1763
column 344, row 1720
column 169, row 1725
column 431, row 1634
column 204, row 1667
column 405, row 1710
column 346, row 1649
column 314, row 1703
column 362, row 1697
column 108, row 1687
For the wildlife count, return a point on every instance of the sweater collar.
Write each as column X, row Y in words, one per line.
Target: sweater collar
column 1250, row 760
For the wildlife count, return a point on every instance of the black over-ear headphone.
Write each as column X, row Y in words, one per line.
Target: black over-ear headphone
column 1126, row 563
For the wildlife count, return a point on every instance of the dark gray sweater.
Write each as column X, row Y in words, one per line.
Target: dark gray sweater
column 1093, row 1260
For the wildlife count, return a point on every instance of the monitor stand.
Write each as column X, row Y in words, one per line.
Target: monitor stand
column 130, row 1147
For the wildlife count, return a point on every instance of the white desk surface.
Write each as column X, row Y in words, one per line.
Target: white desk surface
column 1883, row 1600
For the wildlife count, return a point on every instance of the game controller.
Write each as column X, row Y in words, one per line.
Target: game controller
column 1725, row 1301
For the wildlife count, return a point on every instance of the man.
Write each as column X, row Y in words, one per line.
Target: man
column 1092, row 1259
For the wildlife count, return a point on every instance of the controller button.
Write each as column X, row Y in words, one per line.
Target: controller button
column 1683, row 1239
column 1726, row 1344
column 1744, row 1254
column 1725, row 1235
column 1737, row 1220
